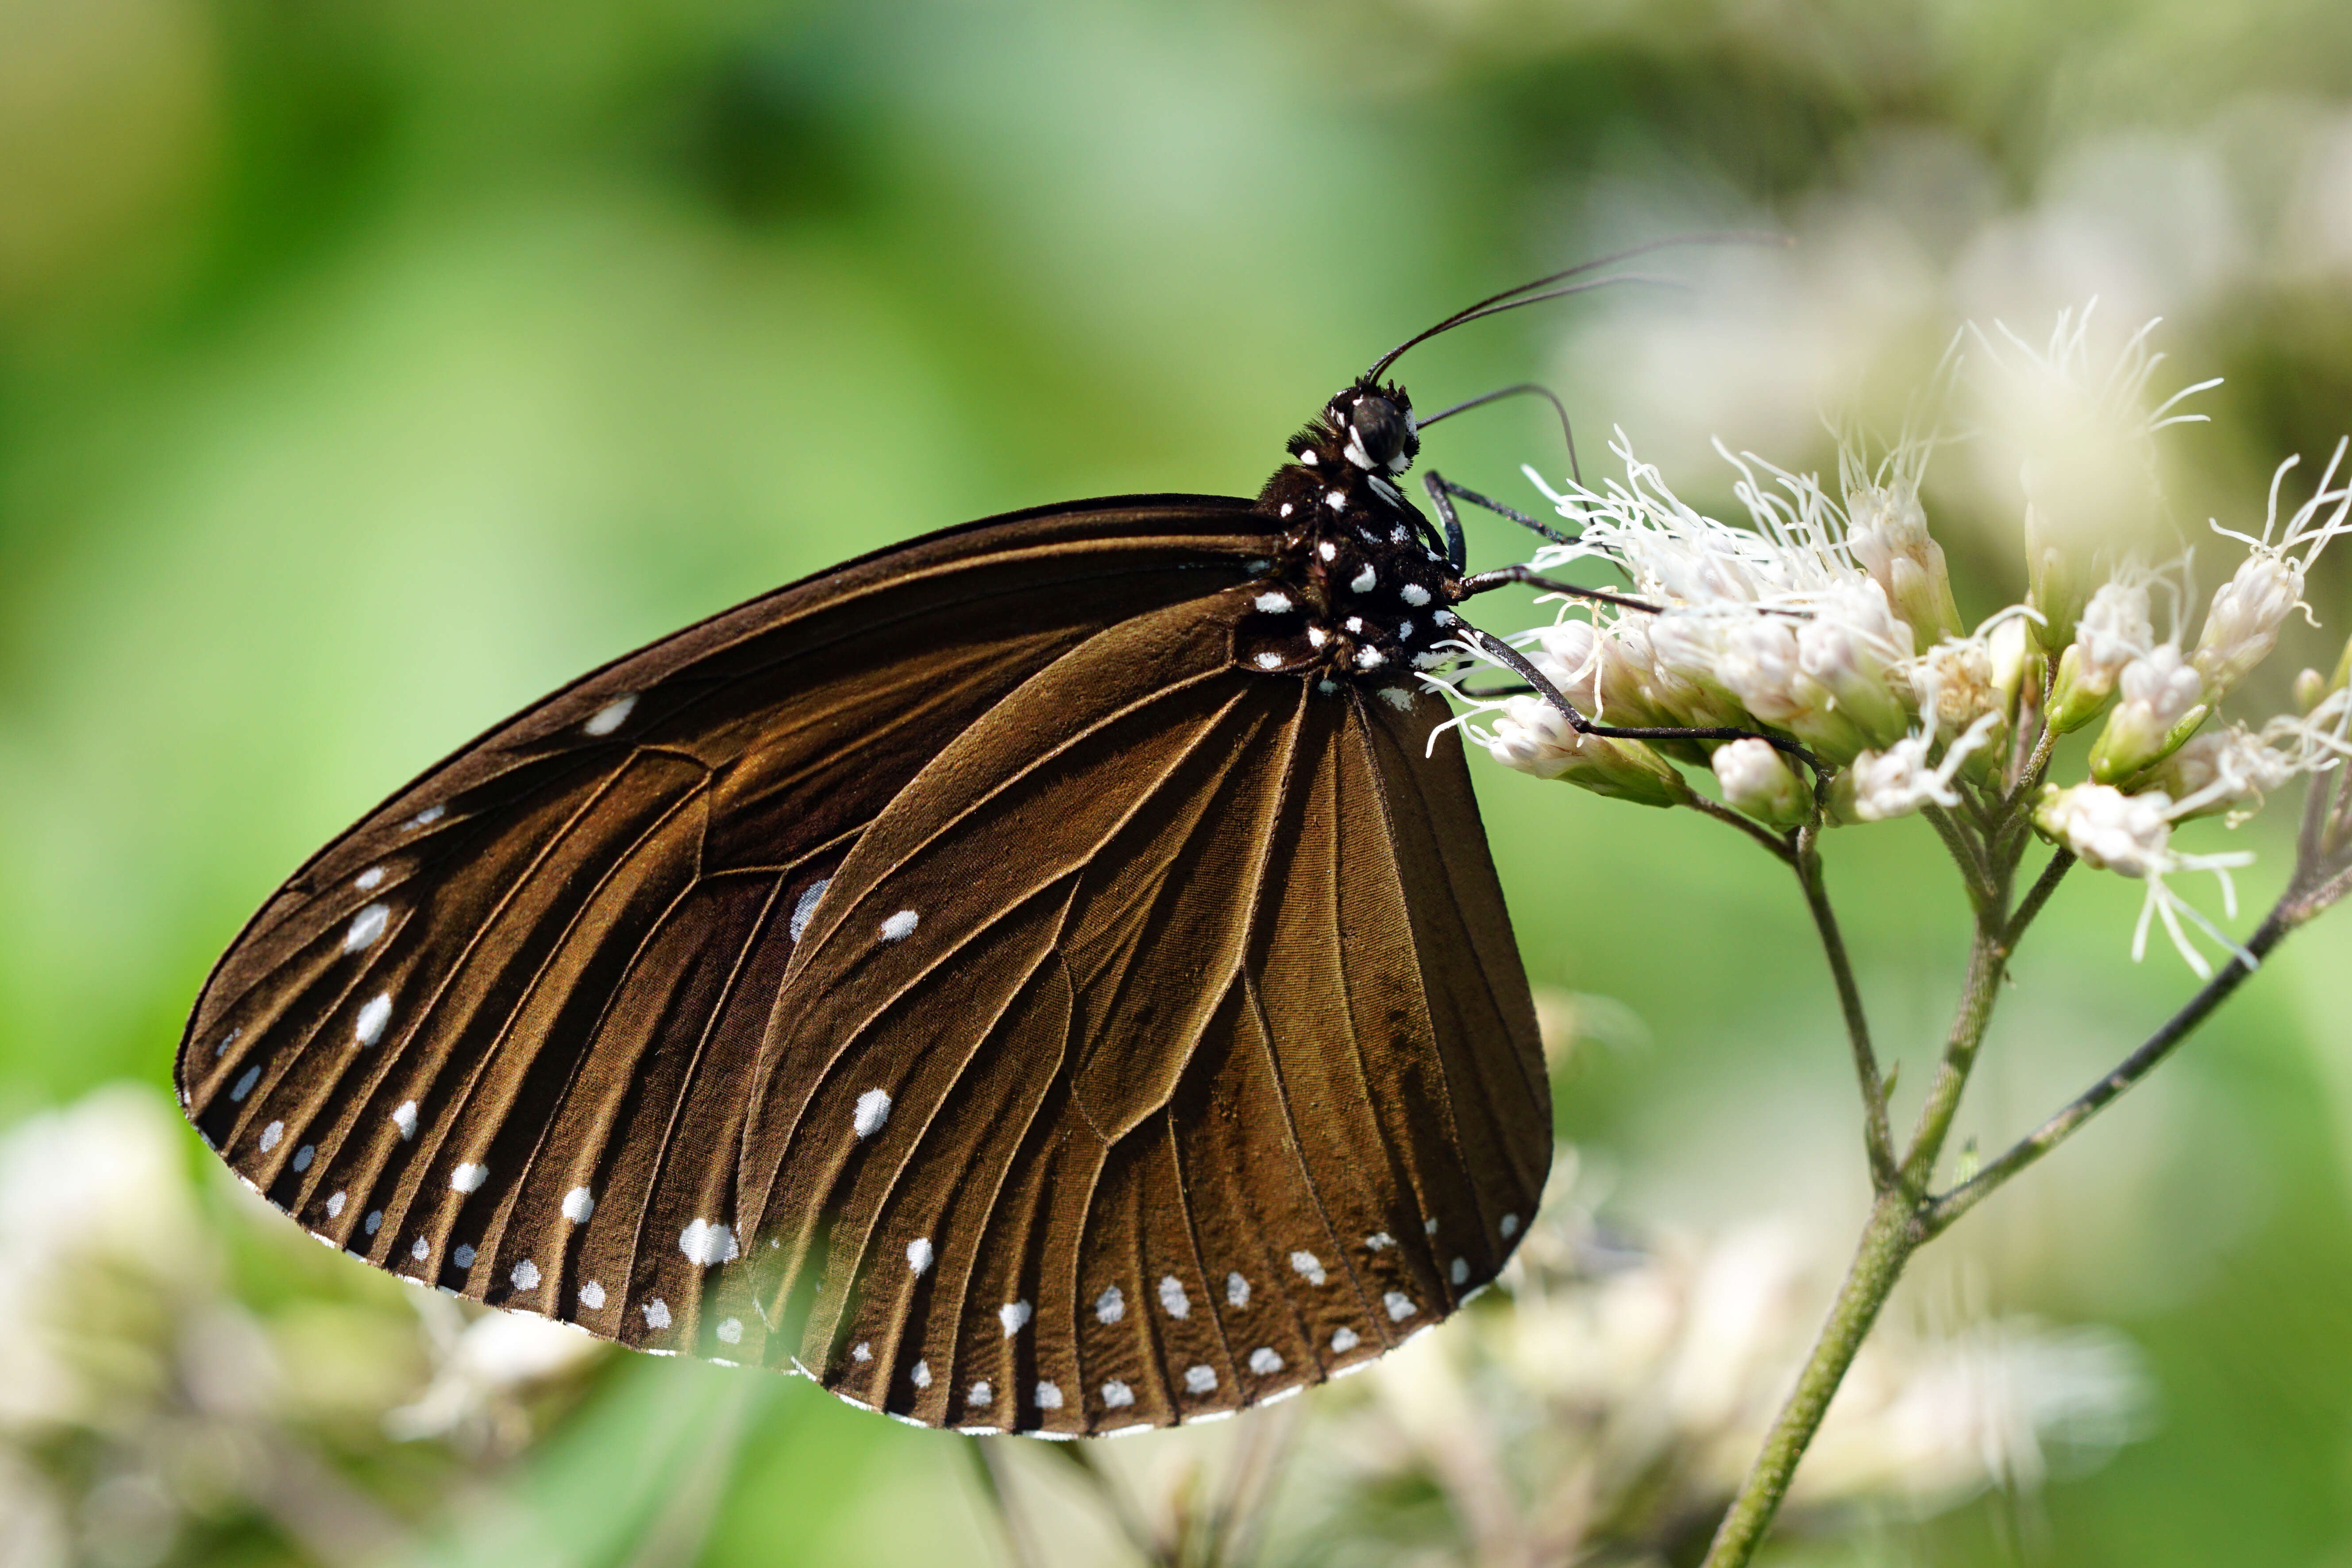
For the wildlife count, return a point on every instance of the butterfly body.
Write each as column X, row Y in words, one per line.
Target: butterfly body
column 1046, row 977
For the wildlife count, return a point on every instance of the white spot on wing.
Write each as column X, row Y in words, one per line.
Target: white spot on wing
column 1370, row 658
column 657, row 1313
column 470, row 1178
column 420, row 1249
column 1274, row 604
column 366, row 926
column 979, row 1393
column 524, row 1276
column 861, row 1353
column 245, row 1082
column 918, row 1254
column 921, row 1376
column 592, row 1295
column 1308, row 1265
column 1111, row 1305
column 1335, row 499
column 335, row 1204
column 368, row 1027
column 1264, row 1361
column 1269, row 661
column 1459, row 1271
column 1237, row 1290
column 901, row 926
column 1118, row 1396
column 1344, row 1339
column 464, row 1255
column 1364, row 582
column 706, row 1243
column 609, row 717
column 804, row 908
column 873, row 1110
column 271, row 1134
column 1399, row 1306
column 1013, row 1315
column 429, row 816
column 1201, row 1379
column 374, row 1221
column 1414, row 594
column 1379, row 1241
column 1328, row 550
column 1397, row 697
column 226, row 1042
column 1285, row 508
column 1049, row 1396
column 1508, row 1225
column 1173, row 1297
column 303, row 1156
column 731, row 1331
column 368, row 880
column 578, row 1205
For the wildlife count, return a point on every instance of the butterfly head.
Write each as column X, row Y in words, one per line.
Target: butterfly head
column 1371, row 428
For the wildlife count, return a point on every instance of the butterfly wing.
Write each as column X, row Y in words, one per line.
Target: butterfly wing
column 486, row 1011
column 1161, row 1048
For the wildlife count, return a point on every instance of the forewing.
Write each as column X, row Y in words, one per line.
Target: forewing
column 1161, row 1049
column 474, row 1037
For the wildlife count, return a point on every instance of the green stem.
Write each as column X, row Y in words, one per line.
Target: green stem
column 1878, row 1137
column 1988, row 960
column 1897, row 1228
column 1943, row 1211
column 1887, row 1243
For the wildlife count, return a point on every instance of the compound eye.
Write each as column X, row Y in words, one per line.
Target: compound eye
column 1379, row 428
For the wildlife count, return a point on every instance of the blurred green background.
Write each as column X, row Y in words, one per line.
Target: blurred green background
column 368, row 368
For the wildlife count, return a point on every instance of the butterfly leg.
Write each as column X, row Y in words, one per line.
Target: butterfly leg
column 1505, row 654
column 1442, row 494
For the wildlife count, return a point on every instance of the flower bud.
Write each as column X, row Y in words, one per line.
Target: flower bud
column 1887, row 530
column 2112, row 631
column 2107, row 829
column 1535, row 737
column 2310, row 691
column 2011, row 644
column 2163, row 702
column 2056, row 592
column 2242, row 626
column 1757, row 781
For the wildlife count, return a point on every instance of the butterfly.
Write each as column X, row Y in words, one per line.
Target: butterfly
column 1047, row 977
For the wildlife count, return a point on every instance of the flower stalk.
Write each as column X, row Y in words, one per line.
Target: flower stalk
column 1831, row 629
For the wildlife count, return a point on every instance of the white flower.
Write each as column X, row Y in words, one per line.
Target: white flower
column 2161, row 693
column 2223, row 769
column 2114, row 631
column 1769, row 625
column 2242, row 626
column 1529, row 734
column 1886, row 529
column 1900, row 779
column 2131, row 834
column 1755, row 780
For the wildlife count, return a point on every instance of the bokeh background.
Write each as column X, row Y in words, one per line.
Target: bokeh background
column 368, row 368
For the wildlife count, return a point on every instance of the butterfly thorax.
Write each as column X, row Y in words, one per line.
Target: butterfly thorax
column 1356, row 587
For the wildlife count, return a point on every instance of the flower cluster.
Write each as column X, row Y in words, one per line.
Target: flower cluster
column 1830, row 624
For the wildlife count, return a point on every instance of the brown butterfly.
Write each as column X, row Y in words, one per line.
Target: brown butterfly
column 1047, row 977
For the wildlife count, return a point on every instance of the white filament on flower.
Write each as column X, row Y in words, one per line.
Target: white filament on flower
column 1900, row 779
column 2131, row 834
column 2242, row 624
